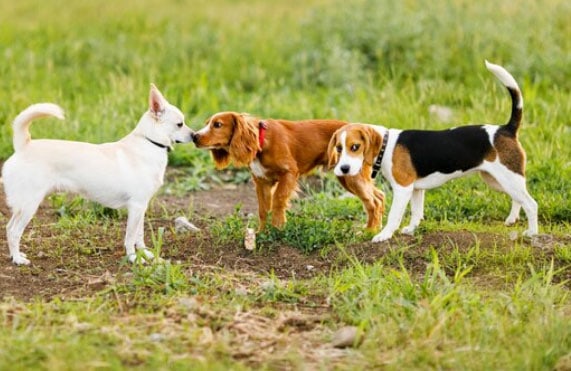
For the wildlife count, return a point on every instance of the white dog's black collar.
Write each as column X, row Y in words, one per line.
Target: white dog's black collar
column 168, row 148
column 379, row 160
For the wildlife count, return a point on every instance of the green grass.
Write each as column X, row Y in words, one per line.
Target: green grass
column 421, row 305
column 442, row 321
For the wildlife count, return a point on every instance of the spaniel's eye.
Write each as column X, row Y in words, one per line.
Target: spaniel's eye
column 339, row 149
column 179, row 124
column 217, row 124
column 355, row 147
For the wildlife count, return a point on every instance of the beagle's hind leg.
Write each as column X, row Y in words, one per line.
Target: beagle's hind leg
column 516, row 206
column 416, row 211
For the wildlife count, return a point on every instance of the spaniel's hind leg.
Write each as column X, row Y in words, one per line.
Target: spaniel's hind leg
column 287, row 184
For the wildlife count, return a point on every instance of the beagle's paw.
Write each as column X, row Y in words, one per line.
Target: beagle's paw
column 510, row 221
column 408, row 230
column 383, row 236
column 529, row 233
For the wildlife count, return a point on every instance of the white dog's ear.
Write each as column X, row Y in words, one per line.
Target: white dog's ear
column 157, row 103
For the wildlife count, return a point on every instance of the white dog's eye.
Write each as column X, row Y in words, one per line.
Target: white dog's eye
column 339, row 148
column 179, row 124
column 217, row 124
column 355, row 147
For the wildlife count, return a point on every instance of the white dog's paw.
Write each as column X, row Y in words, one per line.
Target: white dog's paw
column 148, row 254
column 20, row 259
column 383, row 236
column 144, row 256
column 408, row 230
column 529, row 233
column 132, row 257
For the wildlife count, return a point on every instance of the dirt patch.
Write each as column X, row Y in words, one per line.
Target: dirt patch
column 97, row 255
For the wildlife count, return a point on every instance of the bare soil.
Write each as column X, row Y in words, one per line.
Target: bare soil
column 61, row 268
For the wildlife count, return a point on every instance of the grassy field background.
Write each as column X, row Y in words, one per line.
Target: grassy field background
column 380, row 62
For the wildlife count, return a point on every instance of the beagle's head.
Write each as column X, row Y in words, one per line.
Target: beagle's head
column 353, row 147
column 230, row 136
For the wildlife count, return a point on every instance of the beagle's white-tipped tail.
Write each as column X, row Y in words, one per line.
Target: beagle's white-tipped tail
column 504, row 76
column 22, row 122
column 513, row 88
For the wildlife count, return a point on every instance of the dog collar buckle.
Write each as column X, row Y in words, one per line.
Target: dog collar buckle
column 379, row 160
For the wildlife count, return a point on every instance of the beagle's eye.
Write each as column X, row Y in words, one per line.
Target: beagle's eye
column 179, row 124
column 217, row 125
column 355, row 147
column 339, row 148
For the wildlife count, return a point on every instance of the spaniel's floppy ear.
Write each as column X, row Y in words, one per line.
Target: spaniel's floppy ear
column 332, row 154
column 373, row 142
column 244, row 145
column 221, row 158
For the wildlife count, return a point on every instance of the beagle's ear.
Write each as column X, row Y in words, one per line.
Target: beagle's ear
column 244, row 145
column 157, row 103
column 332, row 154
column 373, row 142
column 221, row 158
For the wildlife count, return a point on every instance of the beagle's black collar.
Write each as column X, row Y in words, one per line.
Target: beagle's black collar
column 160, row 145
column 379, row 160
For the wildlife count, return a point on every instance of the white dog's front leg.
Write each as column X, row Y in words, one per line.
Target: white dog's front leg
column 416, row 211
column 401, row 197
column 135, row 231
column 140, row 242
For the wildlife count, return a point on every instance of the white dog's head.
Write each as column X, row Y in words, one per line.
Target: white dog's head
column 163, row 123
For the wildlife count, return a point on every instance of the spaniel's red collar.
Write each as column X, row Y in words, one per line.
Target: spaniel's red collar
column 262, row 126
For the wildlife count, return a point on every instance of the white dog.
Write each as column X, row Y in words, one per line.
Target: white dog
column 126, row 173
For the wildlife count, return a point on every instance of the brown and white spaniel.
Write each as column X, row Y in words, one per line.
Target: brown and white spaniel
column 278, row 152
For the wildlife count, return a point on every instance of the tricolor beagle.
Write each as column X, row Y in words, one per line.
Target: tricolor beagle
column 415, row 160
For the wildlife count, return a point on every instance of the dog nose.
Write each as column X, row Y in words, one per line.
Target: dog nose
column 190, row 136
column 195, row 137
column 345, row 169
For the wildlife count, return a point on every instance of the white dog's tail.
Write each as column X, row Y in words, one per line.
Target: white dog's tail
column 517, row 100
column 22, row 122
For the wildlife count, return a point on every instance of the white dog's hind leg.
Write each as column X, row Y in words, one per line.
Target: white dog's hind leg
column 416, row 211
column 14, row 230
column 401, row 196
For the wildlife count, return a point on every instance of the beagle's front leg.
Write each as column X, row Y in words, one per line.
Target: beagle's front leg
column 401, row 197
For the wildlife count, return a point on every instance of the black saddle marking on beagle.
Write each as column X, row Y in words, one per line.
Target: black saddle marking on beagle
column 446, row 151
